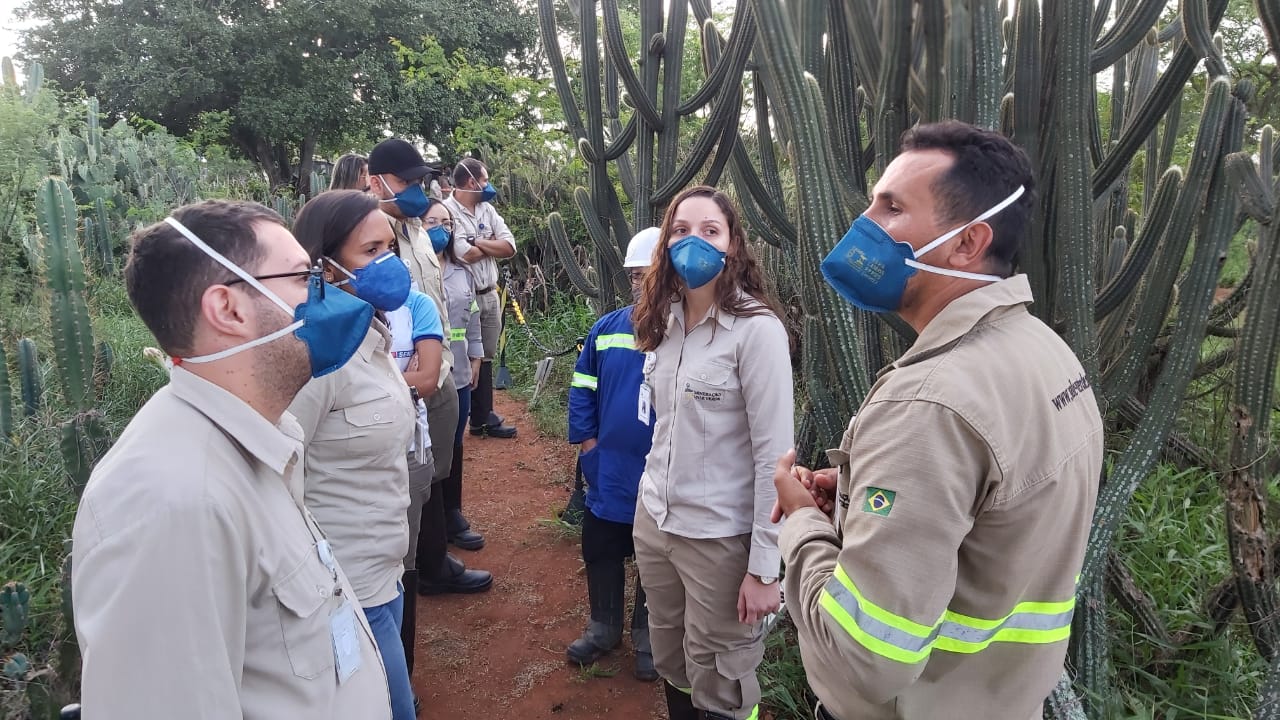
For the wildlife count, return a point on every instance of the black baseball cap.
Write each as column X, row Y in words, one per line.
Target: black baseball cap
column 394, row 156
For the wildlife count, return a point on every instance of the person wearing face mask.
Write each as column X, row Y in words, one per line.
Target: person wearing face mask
column 351, row 172
column 931, row 572
column 717, row 373
column 203, row 585
column 483, row 239
column 605, row 420
column 442, row 572
column 359, row 420
column 396, row 169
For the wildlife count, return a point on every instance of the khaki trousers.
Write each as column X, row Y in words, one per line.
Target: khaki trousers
column 692, row 588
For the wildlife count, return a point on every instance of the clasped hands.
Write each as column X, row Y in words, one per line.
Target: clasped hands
column 799, row 487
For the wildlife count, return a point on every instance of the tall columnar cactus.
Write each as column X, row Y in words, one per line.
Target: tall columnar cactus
column 29, row 377
column 6, row 398
column 97, row 238
column 83, row 441
column 69, row 312
column 15, row 611
column 1252, row 403
column 1126, row 274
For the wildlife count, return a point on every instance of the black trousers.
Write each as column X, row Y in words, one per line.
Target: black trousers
column 605, row 541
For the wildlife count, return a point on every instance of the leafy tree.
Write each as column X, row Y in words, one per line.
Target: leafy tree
column 292, row 76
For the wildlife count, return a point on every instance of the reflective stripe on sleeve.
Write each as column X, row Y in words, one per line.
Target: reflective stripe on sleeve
column 582, row 380
column 906, row 641
column 624, row 341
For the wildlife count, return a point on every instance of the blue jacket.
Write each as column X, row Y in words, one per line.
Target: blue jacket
column 603, row 404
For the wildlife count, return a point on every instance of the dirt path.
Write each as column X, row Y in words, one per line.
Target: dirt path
column 500, row 654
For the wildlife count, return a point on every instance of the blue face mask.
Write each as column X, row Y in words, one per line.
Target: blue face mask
column 696, row 261
column 384, row 283
column 439, row 238
column 331, row 323
column 412, row 201
column 870, row 269
column 487, row 194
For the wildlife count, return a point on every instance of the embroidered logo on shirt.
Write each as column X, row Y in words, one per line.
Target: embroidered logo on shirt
column 702, row 395
column 879, row 501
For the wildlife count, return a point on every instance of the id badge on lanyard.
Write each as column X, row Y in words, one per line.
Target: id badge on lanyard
column 344, row 628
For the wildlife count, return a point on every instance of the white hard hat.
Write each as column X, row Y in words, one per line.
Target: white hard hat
column 640, row 249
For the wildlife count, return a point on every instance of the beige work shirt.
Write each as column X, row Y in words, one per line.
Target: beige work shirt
column 358, row 421
column 424, row 266
column 946, row 587
column 723, row 401
column 484, row 224
column 199, row 592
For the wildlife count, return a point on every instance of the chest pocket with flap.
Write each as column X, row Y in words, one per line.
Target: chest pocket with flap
column 304, row 596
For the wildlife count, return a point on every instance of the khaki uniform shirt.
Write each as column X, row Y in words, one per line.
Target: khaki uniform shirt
column 199, row 592
column 424, row 266
column 358, row 422
column 484, row 224
column 724, row 412
column 967, row 485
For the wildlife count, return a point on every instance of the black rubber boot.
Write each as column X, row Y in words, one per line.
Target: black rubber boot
column 454, row 577
column 605, row 591
column 409, row 623
column 483, row 420
column 456, row 526
column 680, row 704
column 645, row 670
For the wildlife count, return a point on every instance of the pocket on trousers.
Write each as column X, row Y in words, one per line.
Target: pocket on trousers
column 302, row 597
column 741, row 663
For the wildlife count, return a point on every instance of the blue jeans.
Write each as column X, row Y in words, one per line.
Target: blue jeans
column 464, row 412
column 384, row 621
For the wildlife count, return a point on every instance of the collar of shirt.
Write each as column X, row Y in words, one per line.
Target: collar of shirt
column 964, row 313
column 377, row 339
column 276, row 446
column 410, row 230
column 460, row 209
column 676, row 316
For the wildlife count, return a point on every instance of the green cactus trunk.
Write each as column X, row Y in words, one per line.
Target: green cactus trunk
column 6, row 399
column 69, row 312
column 30, row 377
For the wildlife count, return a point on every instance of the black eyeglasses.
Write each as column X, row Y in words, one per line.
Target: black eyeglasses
column 297, row 273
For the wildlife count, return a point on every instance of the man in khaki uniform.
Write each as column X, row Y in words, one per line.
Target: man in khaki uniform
column 203, row 588
column 932, row 573
column 394, row 166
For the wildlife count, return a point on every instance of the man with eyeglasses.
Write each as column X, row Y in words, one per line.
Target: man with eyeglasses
column 611, row 418
column 202, row 585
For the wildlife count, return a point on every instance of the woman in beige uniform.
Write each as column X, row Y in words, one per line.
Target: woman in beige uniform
column 358, row 422
column 718, row 376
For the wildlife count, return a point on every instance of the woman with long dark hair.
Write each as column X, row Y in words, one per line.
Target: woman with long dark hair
column 359, row 420
column 718, row 376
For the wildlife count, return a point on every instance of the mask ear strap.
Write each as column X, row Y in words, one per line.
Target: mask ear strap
column 988, row 214
column 222, row 260
column 345, row 271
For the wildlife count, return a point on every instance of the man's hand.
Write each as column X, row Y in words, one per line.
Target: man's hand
column 799, row 487
column 588, row 445
column 755, row 600
column 475, row 373
column 413, row 363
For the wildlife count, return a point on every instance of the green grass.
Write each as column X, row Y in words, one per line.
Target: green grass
column 1174, row 544
column 568, row 319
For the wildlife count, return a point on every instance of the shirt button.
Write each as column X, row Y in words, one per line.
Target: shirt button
column 703, row 376
column 376, row 416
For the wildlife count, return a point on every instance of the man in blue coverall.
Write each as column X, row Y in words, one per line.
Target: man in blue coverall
column 615, row 429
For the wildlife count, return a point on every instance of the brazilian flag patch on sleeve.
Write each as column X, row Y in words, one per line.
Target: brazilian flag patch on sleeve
column 879, row 501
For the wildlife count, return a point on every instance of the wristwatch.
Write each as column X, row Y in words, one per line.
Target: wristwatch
column 765, row 580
